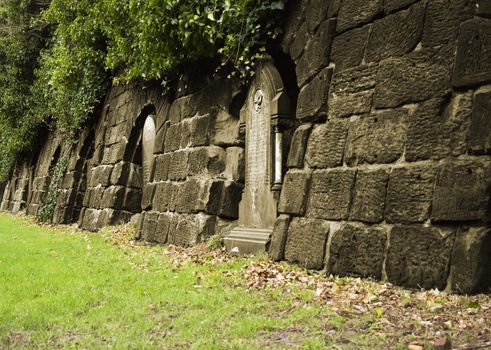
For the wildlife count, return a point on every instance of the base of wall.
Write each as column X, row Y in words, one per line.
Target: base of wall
column 248, row 240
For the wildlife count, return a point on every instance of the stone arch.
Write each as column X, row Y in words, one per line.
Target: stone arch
column 264, row 118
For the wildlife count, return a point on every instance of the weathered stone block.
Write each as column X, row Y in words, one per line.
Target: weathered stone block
column 173, row 138
column 135, row 180
column 325, row 147
column 160, row 138
column 165, row 196
column 438, row 128
column 149, row 227
column 166, row 223
column 113, row 197
column 199, row 130
column 192, row 229
column 96, row 196
column 355, row 12
column 330, row 194
column 235, row 164
column 186, row 134
column 396, row 34
column 418, row 257
column 114, row 153
column 208, row 160
column 413, row 78
column 316, row 52
column 352, row 91
column 147, row 196
column 162, row 164
column 133, row 200
column 120, row 174
column 101, row 175
column 178, row 168
column 278, row 238
column 198, row 195
column 226, row 130
column 292, row 26
column 443, row 18
column 409, row 194
column 379, row 138
column 393, row 5
column 294, row 192
column 306, row 242
column 348, row 48
column 312, row 100
column 369, row 196
column 316, row 12
column 357, row 250
column 70, row 180
column 480, row 130
column 298, row 146
column 463, row 192
column 470, row 270
column 231, row 194
column 300, row 41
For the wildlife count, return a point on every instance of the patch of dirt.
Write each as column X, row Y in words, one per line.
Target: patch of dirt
column 17, row 339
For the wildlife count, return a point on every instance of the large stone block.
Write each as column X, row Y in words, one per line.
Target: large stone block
column 186, row 134
column 331, row 193
column 173, row 138
column 325, row 147
column 352, row 91
column 161, row 167
column 165, row 195
column 235, row 164
column 199, row 130
column 409, row 194
column 463, row 192
column 357, row 250
column 438, row 128
column 470, row 269
column 298, row 146
column 316, row 12
column 355, row 12
column 369, row 196
column 412, row 78
column 101, row 175
column 192, row 229
column 166, row 223
column 198, row 195
column 206, row 160
column 226, row 130
column 379, row 138
column 294, row 192
column 312, row 100
column 419, row 257
column 147, row 196
column 278, row 238
column 231, row 194
column 135, row 179
column 480, row 129
column 316, row 52
column 149, row 226
column 300, row 41
column 178, row 169
column 96, row 196
column 396, row 34
column 133, row 200
column 113, row 197
column 306, row 242
column 160, row 138
column 442, row 19
column 348, row 48
column 120, row 174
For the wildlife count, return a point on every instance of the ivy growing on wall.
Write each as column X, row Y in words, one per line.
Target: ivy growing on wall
column 62, row 54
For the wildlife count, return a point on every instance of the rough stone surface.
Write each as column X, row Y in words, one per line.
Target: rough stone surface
column 463, row 192
column 352, row 91
column 480, row 129
column 357, row 250
column 325, row 147
column 348, row 48
column 178, row 168
column 147, row 196
column 166, row 223
column 149, row 227
column 438, row 128
column 393, row 5
column 193, row 196
column 369, row 196
column 312, row 100
column 470, row 270
column 298, row 146
column 278, row 238
column 192, row 229
column 419, row 257
column 379, row 138
column 412, row 78
column 165, row 196
column 306, row 242
column 353, row 13
column 409, row 194
column 226, row 130
column 316, row 52
column 231, row 194
column 294, row 193
column 396, row 34
column 234, row 164
column 161, row 167
column 210, row 160
column 330, row 194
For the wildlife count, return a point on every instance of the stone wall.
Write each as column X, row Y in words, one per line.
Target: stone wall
column 389, row 166
column 395, row 181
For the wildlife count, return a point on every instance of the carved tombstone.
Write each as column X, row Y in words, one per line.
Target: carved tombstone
column 264, row 117
column 148, row 145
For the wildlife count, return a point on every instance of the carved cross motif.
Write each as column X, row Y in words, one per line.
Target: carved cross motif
column 258, row 100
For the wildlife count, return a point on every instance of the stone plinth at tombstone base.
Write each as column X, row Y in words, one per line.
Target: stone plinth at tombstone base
column 248, row 240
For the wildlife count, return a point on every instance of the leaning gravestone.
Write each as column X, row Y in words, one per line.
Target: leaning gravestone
column 264, row 116
column 148, row 145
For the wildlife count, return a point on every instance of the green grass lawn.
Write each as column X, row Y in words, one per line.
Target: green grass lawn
column 60, row 288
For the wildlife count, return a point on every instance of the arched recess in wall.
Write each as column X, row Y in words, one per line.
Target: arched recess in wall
column 139, row 154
